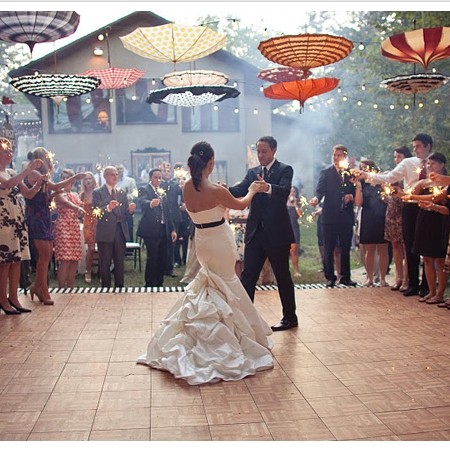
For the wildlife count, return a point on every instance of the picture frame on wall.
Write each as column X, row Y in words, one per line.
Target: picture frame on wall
column 143, row 161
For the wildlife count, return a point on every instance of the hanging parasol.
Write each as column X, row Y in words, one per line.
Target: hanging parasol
column 35, row 27
column 173, row 43
column 281, row 74
column 300, row 90
column 306, row 51
column 192, row 95
column 55, row 85
column 114, row 77
column 419, row 46
column 194, row 78
column 414, row 84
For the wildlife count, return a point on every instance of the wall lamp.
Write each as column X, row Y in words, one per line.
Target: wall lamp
column 98, row 51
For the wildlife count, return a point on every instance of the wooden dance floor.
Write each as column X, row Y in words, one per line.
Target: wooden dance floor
column 364, row 364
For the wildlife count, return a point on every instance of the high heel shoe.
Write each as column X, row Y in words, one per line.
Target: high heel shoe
column 19, row 308
column 46, row 301
column 9, row 312
column 396, row 286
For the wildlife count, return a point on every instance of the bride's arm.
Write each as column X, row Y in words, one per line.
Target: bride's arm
column 226, row 199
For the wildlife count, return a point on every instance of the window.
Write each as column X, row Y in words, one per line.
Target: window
column 132, row 108
column 87, row 113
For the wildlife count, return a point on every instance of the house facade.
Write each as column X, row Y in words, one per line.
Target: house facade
column 117, row 126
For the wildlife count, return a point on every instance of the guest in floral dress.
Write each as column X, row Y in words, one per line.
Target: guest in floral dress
column 89, row 222
column 68, row 251
column 13, row 230
column 393, row 231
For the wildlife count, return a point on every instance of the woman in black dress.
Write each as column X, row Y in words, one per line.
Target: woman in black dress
column 373, row 216
column 432, row 228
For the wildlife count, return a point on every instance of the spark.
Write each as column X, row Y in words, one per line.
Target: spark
column 161, row 192
column 97, row 212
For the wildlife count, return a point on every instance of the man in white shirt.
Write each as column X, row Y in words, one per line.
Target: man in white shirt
column 410, row 170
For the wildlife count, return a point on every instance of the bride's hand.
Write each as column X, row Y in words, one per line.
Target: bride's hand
column 257, row 186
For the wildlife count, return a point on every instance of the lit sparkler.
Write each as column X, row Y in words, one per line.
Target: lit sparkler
column 97, row 212
column 161, row 192
column 343, row 164
column 180, row 173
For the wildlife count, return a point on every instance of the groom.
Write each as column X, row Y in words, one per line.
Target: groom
column 269, row 232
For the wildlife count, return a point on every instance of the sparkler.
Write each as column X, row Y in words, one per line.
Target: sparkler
column 386, row 191
column 180, row 173
column 161, row 192
column 97, row 212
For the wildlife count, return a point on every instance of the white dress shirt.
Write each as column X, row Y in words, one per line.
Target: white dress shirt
column 407, row 170
column 269, row 192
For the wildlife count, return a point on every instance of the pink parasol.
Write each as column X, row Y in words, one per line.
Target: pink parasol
column 114, row 77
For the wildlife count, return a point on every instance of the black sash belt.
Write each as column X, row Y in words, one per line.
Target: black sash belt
column 210, row 224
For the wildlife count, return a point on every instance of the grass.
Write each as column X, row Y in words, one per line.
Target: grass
column 310, row 264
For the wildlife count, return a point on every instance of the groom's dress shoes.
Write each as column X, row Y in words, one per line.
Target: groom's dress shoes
column 284, row 324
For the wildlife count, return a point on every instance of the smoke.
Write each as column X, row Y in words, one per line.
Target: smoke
column 303, row 144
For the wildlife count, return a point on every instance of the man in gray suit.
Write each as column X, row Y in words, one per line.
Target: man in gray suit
column 110, row 206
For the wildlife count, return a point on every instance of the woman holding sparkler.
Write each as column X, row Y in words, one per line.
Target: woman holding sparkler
column 372, row 225
column 89, row 222
column 68, row 251
column 38, row 218
column 432, row 228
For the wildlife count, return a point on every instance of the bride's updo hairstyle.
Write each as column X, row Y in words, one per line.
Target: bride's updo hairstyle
column 201, row 154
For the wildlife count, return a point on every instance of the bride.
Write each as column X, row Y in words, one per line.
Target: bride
column 213, row 332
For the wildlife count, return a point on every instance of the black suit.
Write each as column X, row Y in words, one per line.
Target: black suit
column 111, row 234
column 155, row 227
column 269, row 233
column 337, row 218
column 173, row 194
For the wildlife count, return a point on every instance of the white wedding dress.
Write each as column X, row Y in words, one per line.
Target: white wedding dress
column 213, row 332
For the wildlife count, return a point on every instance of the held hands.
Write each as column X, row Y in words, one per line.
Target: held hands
column 314, row 201
column 258, row 186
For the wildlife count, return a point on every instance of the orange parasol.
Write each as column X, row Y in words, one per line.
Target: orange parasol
column 419, row 46
column 306, row 51
column 300, row 90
